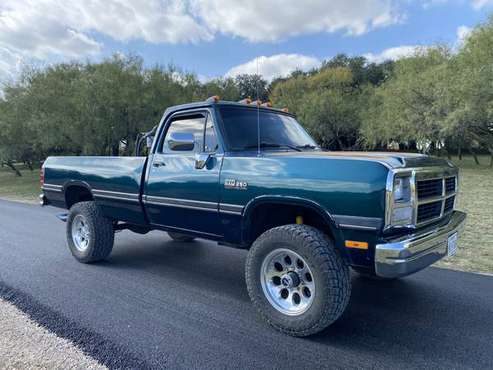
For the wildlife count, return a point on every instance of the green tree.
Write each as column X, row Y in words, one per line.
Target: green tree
column 471, row 90
column 411, row 107
column 252, row 86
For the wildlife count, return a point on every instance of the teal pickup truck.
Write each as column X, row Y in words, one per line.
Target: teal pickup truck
column 248, row 176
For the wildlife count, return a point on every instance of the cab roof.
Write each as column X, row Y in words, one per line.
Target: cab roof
column 213, row 103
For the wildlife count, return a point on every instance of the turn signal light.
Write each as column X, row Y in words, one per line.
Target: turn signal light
column 356, row 245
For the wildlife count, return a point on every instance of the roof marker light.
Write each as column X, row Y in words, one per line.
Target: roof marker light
column 213, row 99
column 246, row 101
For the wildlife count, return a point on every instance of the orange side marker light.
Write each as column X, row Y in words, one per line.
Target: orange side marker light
column 356, row 245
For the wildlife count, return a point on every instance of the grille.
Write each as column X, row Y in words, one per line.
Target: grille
column 449, row 204
column 430, row 188
column 429, row 211
column 450, row 184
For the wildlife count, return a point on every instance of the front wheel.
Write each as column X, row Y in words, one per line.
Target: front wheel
column 90, row 235
column 297, row 279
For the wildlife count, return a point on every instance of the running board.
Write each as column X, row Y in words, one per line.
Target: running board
column 62, row 216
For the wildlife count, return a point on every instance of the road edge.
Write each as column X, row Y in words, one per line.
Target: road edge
column 19, row 200
column 90, row 343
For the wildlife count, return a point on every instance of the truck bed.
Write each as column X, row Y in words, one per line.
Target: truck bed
column 115, row 183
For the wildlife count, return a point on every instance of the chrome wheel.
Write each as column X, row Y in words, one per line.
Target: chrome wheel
column 287, row 282
column 80, row 233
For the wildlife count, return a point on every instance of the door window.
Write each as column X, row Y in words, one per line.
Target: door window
column 186, row 125
column 202, row 129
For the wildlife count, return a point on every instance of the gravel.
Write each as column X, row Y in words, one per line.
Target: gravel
column 25, row 344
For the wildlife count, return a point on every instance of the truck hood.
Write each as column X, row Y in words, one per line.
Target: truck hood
column 389, row 159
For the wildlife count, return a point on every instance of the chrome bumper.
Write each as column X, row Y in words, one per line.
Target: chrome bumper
column 43, row 201
column 404, row 256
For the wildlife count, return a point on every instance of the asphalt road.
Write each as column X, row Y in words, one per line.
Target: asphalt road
column 186, row 306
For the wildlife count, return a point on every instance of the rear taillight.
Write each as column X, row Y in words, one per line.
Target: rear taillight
column 42, row 176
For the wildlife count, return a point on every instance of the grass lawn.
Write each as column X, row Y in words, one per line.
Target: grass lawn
column 25, row 188
column 475, row 251
column 475, row 198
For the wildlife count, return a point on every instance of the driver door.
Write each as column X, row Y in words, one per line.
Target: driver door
column 179, row 193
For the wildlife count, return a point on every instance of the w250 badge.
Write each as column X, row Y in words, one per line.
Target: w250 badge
column 235, row 184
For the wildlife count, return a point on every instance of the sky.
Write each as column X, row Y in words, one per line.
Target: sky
column 217, row 38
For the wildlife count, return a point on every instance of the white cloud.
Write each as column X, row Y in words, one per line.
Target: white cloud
column 404, row 51
column 280, row 65
column 392, row 53
column 259, row 20
column 462, row 33
column 431, row 3
column 10, row 65
column 57, row 29
column 46, row 29
column 480, row 4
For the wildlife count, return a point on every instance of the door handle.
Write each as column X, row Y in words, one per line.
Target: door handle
column 158, row 164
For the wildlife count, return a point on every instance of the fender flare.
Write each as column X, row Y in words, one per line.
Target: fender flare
column 336, row 232
column 75, row 183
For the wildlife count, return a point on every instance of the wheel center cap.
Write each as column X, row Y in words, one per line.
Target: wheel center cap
column 290, row 280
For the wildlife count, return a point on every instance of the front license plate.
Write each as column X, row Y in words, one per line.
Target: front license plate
column 452, row 245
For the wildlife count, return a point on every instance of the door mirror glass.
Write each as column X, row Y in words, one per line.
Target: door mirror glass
column 181, row 141
column 149, row 141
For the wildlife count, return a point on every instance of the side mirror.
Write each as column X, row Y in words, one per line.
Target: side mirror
column 149, row 141
column 181, row 141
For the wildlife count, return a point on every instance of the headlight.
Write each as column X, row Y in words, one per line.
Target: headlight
column 402, row 215
column 402, row 189
column 401, row 212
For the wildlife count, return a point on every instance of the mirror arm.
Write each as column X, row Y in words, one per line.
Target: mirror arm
column 201, row 160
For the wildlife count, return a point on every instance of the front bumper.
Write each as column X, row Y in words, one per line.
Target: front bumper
column 406, row 255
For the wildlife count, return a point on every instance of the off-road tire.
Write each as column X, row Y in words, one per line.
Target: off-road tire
column 330, row 274
column 101, row 231
column 180, row 237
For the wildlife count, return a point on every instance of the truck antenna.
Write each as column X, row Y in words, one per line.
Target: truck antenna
column 258, row 110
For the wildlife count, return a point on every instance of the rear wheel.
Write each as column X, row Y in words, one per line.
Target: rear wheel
column 297, row 280
column 181, row 237
column 90, row 235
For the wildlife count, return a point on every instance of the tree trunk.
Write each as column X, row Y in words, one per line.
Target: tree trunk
column 11, row 165
column 30, row 165
column 474, row 155
column 460, row 152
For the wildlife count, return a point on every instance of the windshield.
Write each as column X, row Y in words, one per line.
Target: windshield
column 277, row 131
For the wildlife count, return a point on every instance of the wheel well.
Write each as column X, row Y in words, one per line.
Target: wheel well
column 76, row 194
column 266, row 216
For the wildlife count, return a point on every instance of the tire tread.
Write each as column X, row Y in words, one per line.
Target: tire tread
column 329, row 259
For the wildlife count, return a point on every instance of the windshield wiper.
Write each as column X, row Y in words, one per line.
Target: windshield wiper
column 264, row 144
